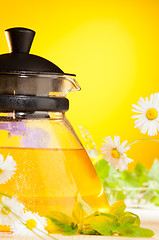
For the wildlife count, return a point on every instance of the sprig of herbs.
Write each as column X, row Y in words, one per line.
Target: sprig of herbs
column 116, row 222
column 139, row 184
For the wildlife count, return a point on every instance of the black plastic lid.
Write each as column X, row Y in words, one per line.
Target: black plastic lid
column 19, row 60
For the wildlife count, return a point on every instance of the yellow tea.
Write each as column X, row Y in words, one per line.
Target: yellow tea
column 51, row 179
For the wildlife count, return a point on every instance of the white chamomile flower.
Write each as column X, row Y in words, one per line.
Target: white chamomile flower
column 7, row 206
column 7, row 168
column 114, row 153
column 33, row 222
column 148, row 114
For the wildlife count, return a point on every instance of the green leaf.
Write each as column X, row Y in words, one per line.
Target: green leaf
column 112, row 217
column 58, row 224
column 103, row 225
column 89, row 232
column 51, row 227
column 117, row 208
column 155, row 200
column 153, row 173
column 129, row 218
column 135, row 231
column 148, row 195
column 63, row 222
column 130, row 179
column 65, row 228
column 102, row 168
column 139, row 169
column 70, row 229
column 141, row 173
column 86, row 220
column 120, row 195
column 137, row 220
column 78, row 213
column 60, row 217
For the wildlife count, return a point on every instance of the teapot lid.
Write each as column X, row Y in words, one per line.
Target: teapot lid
column 19, row 60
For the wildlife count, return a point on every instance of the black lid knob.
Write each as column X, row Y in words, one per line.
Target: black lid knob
column 19, row 60
column 19, row 39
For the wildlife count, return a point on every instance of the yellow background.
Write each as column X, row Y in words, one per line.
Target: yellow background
column 113, row 48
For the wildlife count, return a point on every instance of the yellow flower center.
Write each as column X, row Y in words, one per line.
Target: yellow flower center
column 5, row 228
column 1, row 171
column 151, row 114
column 31, row 223
column 5, row 210
column 115, row 153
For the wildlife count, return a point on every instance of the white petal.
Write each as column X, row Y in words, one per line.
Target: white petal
column 156, row 99
column 117, row 140
column 144, row 127
column 152, row 130
column 142, row 104
column 142, row 100
column 137, row 111
column 126, row 148
column 129, row 160
column 123, row 144
column 113, row 162
column 151, row 98
column 137, row 107
column 140, row 122
column 146, row 100
column 136, row 116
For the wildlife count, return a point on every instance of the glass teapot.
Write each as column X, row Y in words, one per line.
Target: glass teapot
column 47, row 165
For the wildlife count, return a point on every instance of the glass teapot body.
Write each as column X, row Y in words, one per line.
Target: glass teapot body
column 42, row 162
column 51, row 166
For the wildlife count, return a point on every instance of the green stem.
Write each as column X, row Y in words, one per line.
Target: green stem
column 3, row 194
column 140, row 140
